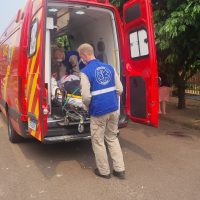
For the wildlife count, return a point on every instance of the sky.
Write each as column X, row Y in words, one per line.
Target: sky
column 9, row 9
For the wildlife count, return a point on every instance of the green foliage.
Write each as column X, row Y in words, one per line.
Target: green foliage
column 177, row 26
column 117, row 3
column 62, row 41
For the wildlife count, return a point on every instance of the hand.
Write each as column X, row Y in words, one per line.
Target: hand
column 85, row 107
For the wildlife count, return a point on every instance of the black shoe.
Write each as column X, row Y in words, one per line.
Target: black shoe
column 120, row 175
column 96, row 171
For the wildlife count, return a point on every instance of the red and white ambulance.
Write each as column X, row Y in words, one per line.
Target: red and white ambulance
column 26, row 61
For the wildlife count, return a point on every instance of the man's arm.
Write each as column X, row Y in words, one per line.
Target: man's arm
column 118, row 84
column 85, row 90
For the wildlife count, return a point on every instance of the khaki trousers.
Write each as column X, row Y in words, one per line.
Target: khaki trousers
column 104, row 129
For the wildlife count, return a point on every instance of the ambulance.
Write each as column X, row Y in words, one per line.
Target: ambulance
column 26, row 62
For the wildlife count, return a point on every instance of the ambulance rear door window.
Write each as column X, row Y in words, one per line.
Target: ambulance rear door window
column 138, row 43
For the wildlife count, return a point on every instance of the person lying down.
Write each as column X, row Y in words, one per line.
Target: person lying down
column 70, row 85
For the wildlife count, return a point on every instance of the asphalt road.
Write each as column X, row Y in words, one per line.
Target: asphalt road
column 161, row 164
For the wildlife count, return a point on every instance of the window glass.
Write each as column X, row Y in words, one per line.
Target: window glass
column 33, row 38
column 134, row 45
column 143, row 42
column 132, row 13
column 138, row 43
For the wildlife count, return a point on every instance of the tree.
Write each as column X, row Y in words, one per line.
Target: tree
column 177, row 27
column 119, row 4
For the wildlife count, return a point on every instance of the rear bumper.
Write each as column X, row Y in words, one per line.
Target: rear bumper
column 66, row 134
column 66, row 138
column 58, row 134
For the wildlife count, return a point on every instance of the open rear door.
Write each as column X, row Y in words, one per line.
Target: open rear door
column 140, row 62
column 35, row 91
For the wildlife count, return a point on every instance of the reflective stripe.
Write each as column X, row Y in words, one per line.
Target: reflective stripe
column 103, row 91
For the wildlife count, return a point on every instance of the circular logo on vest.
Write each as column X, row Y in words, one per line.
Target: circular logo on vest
column 103, row 75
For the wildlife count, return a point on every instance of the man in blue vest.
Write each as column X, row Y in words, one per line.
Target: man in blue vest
column 101, row 88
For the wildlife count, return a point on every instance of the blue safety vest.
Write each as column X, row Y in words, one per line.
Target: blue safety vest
column 102, row 80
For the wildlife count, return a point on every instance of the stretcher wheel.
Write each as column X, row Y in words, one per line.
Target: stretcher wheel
column 80, row 128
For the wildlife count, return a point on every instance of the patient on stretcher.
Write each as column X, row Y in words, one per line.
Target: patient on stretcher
column 66, row 98
column 67, row 89
column 65, row 72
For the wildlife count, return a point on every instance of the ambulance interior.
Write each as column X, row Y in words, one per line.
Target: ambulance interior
column 78, row 24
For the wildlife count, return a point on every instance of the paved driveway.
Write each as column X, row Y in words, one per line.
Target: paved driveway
column 161, row 164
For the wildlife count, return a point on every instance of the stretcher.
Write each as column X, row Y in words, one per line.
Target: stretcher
column 70, row 99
